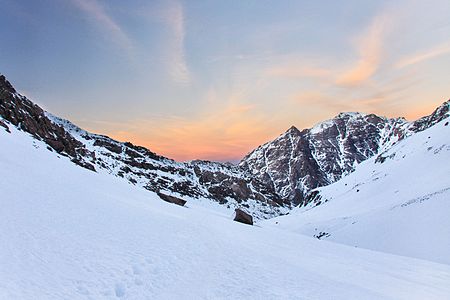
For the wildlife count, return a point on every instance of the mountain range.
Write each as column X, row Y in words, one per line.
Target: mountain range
column 268, row 182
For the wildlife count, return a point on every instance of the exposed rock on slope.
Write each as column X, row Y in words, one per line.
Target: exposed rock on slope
column 29, row 117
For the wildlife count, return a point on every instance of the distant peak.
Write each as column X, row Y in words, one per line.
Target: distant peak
column 293, row 129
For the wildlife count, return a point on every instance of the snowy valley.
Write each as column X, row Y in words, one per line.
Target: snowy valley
column 81, row 219
column 69, row 233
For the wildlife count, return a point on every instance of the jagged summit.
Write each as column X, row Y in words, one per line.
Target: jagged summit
column 293, row 129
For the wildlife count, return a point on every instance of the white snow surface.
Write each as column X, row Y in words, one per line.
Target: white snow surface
column 400, row 206
column 69, row 233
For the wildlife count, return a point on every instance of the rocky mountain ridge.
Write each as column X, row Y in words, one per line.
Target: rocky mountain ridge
column 222, row 183
column 299, row 161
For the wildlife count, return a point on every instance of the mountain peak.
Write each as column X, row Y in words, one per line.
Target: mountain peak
column 293, row 129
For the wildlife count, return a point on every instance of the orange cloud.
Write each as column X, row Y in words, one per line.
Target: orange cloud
column 421, row 109
column 420, row 57
column 370, row 48
column 224, row 132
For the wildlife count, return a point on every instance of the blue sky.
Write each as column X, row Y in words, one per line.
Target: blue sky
column 213, row 79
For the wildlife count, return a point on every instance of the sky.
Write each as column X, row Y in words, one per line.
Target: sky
column 215, row 79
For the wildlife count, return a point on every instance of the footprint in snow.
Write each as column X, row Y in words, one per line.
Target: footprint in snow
column 137, row 270
column 82, row 290
column 120, row 290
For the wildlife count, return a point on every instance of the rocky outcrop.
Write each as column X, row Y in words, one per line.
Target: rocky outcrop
column 172, row 199
column 243, row 217
column 29, row 117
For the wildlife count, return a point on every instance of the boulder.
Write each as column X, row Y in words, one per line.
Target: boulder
column 243, row 217
column 172, row 199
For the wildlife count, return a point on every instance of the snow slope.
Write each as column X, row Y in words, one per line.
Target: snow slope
column 397, row 202
column 69, row 233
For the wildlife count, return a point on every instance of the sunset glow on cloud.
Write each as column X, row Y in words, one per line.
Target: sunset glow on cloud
column 213, row 80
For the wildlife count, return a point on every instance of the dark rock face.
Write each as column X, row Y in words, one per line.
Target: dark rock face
column 299, row 161
column 243, row 217
column 172, row 199
column 29, row 117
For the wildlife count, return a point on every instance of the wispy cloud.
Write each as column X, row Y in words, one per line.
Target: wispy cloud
column 297, row 71
column 227, row 127
column 173, row 16
column 369, row 46
column 423, row 56
column 370, row 50
column 97, row 13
